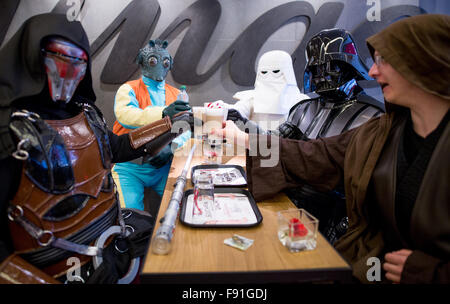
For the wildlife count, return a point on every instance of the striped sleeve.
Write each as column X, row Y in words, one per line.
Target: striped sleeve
column 127, row 110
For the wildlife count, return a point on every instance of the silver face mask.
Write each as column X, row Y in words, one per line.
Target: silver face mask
column 65, row 65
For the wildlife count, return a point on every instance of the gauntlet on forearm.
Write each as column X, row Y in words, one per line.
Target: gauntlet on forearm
column 157, row 135
column 15, row 270
column 145, row 134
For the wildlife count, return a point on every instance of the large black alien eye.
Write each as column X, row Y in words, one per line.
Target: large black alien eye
column 153, row 61
column 263, row 72
column 276, row 71
column 166, row 62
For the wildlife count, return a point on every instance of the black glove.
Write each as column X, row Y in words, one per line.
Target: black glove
column 154, row 146
column 236, row 116
column 176, row 107
column 244, row 124
column 160, row 159
column 291, row 131
column 184, row 116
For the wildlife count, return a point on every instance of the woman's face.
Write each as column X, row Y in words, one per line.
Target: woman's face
column 396, row 89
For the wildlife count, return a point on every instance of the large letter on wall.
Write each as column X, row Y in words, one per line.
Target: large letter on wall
column 203, row 16
column 246, row 47
column 388, row 15
column 136, row 22
column 7, row 10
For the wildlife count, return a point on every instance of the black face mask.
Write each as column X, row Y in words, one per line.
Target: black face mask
column 329, row 76
column 335, row 80
column 333, row 64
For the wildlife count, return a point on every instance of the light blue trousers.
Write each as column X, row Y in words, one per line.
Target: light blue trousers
column 131, row 179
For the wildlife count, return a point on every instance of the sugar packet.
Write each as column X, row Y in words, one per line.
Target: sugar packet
column 238, row 242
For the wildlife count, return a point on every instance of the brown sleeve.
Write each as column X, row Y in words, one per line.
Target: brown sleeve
column 141, row 136
column 15, row 270
column 422, row 268
column 317, row 162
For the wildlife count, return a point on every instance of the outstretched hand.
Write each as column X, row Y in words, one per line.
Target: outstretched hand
column 234, row 115
column 175, row 107
column 231, row 133
column 186, row 117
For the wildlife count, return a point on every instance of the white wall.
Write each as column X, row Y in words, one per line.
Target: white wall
column 236, row 16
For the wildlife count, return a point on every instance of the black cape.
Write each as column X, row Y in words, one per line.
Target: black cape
column 22, row 71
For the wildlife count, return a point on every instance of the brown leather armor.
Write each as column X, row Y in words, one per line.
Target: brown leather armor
column 15, row 270
column 93, row 211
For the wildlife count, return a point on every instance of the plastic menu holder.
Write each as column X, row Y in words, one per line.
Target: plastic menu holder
column 232, row 207
column 223, row 175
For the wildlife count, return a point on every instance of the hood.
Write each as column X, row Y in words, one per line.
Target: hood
column 418, row 48
column 23, row 73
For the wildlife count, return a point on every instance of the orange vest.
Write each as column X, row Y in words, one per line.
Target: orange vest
column 143, row 97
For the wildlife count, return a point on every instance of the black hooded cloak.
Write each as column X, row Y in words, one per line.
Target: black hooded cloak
column 23, row 74
column 23, row 85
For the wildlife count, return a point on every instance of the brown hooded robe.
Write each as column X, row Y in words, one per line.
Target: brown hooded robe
column 365, row 160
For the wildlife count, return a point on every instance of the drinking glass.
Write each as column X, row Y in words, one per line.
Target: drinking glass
column 297, row 229
column 203, row 195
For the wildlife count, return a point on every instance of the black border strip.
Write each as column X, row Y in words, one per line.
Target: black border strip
column 343, row 275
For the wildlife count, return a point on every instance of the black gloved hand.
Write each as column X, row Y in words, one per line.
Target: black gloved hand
column 160, row 159
column 289, row 130
column 181, row 122
column 244, row 124
column 183, row 116
column 236, row 116
column 176, row 107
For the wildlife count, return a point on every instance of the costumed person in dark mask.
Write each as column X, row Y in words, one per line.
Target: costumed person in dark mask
column 395, row 168
column 58, row 203
column 140, row 102
column 332, row 70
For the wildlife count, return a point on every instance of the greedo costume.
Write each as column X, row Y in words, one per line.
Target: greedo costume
column 275, row 91
column 137, row 103
column 57, row 198
column 380, row 175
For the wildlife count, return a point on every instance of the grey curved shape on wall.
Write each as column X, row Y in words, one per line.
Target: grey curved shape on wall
column 139, row 18
column 244, row 50
column 120, row 66
column 366, row 29
column 8, row 9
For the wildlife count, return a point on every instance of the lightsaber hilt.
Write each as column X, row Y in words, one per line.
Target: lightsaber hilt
column 164, row 234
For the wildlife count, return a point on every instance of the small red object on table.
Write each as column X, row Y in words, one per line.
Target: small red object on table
column 296, row 228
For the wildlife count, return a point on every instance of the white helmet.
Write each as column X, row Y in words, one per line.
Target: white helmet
column 276, row 88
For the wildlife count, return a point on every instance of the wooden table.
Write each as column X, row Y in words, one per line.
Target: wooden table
column 198, row 255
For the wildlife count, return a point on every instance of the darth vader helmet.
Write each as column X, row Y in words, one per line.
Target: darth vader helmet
column 333, row 65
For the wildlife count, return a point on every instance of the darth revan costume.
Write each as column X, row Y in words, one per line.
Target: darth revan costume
column 332, row 71
column 57, row 196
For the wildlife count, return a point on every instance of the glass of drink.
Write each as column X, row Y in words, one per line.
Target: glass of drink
column 203, row 195
column 213, row 148
column 297, row 229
